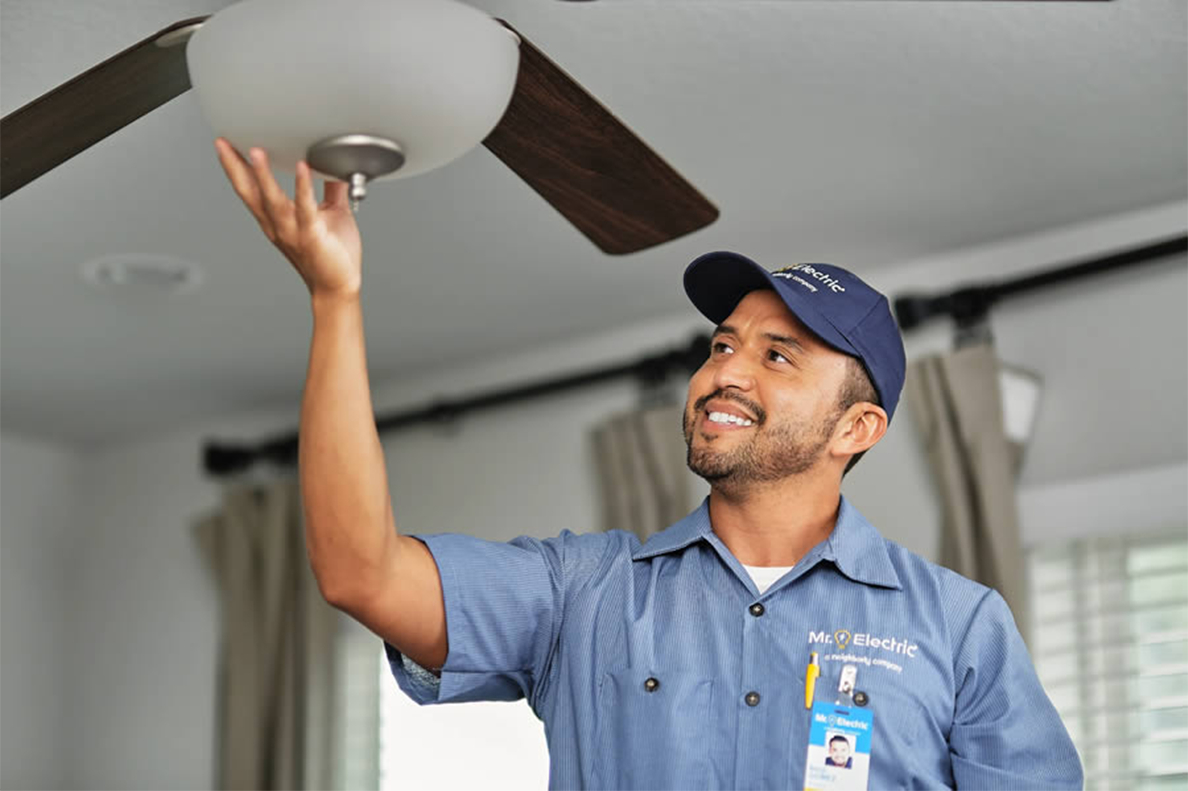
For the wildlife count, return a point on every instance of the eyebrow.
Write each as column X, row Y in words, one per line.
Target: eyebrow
column 787, row 340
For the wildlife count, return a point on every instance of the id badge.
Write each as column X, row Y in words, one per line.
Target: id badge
column 839, row 748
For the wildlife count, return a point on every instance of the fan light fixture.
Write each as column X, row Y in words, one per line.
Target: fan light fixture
column 361, row 90
column 367, row 89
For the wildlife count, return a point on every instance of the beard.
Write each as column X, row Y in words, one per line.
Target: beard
column 771, row 453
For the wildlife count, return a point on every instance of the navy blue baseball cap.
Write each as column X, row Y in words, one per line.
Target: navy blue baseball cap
column 836, row 304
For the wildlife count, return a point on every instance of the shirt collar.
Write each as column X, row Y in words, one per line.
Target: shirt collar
column 854, row 546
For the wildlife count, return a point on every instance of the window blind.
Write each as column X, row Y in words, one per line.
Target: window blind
column 1110, row 644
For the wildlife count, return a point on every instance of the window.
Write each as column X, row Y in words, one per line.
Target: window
column 357, row 709
column 483, row 745
column 1110, row 643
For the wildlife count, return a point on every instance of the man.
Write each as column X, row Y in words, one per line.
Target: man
column 839, row 753
column 702, row 658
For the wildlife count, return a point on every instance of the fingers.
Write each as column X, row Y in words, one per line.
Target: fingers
column 307, row 208
column 279, row 217
column 276, row 202
column 239, row 173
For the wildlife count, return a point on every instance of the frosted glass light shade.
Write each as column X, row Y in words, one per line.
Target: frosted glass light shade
column 433, row 75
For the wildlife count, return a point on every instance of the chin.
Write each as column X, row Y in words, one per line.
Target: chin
column 710, row 466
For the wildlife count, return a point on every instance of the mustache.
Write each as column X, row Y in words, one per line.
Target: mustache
column 730, row 395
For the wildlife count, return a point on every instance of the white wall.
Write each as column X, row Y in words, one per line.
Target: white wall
column 141, row 613
column 38, row 511
column 146, row 625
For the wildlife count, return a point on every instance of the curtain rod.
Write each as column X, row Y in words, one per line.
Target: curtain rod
column 223, row 459
column 969, row 305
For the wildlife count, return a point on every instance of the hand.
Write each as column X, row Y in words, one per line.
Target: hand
column 321, row 241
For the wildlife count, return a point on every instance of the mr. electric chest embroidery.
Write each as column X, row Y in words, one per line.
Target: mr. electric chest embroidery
column 890, row 652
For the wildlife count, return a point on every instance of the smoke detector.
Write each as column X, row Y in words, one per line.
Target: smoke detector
column 143, row 273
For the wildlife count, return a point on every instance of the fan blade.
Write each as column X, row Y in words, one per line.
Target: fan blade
column 77, row 114
column 588, row 165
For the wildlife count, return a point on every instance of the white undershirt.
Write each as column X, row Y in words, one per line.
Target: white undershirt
column 765, row 576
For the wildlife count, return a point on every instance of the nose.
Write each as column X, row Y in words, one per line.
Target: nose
column 734, row 370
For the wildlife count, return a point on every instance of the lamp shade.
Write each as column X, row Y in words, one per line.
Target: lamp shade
column 435, row 76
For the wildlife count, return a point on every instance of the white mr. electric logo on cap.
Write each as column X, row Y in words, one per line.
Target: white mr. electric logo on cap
column 823, row 278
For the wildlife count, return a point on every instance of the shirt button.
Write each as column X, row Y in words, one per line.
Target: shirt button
column 757, row 609
column 752, row 698
column 652, row 684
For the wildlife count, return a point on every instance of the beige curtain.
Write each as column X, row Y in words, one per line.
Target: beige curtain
column 641, row 468
column 957, row 405
column 277, row 649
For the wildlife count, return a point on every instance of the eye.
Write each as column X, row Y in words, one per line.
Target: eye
column 776, row 357
column 719, row 347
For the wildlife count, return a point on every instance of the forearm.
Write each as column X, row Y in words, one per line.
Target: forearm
column 349, row 525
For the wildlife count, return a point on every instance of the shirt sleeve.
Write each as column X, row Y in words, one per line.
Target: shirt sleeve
column 1006, row 732
column 503, row 608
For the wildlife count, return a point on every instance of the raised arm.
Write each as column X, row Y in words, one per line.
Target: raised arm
column 388, row 582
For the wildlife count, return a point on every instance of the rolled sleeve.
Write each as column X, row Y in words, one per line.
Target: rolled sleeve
column 1006, row 732
column 503, row 610
column 418, row 683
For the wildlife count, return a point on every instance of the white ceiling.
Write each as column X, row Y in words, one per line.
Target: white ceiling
column 863, row 133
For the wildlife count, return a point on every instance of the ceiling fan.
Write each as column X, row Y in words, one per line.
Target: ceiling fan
column 558, row 138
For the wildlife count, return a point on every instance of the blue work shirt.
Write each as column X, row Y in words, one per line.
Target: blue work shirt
column 652, row 666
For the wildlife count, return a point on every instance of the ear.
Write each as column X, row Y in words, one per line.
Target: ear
column 859, row 429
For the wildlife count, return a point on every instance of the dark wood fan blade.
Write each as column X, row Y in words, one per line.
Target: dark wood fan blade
column 74, row 116
column 589, row 165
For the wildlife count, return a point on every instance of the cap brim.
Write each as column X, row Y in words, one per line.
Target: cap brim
column 717, row 282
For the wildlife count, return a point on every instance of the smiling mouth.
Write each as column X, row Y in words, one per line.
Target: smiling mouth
column 728, row 420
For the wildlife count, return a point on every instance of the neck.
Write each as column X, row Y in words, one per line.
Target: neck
column 774, row 524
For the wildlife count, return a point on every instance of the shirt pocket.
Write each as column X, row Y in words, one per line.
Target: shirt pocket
column 901, row 756
column 904, row 753
column 651, row 729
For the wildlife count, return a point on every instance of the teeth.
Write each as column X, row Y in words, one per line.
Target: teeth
column 722, row 417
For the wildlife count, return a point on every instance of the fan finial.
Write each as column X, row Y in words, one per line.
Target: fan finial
column 355, row 159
